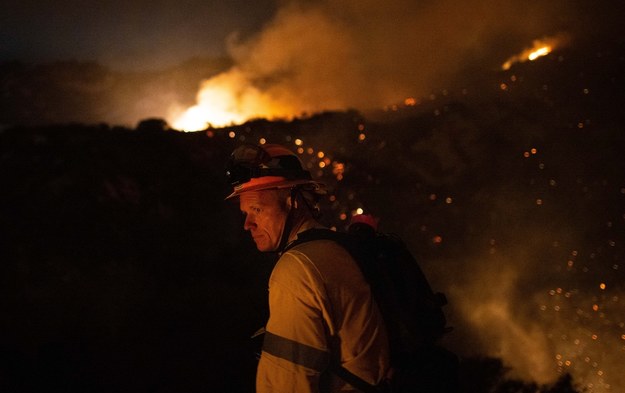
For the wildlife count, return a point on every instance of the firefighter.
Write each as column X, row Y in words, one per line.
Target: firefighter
column 322, row 316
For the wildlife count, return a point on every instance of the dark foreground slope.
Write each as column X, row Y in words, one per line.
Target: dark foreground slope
column 123, row 270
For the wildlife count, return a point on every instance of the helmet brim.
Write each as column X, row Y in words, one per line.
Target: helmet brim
column 315, row 186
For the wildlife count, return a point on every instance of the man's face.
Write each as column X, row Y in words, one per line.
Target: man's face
column 265, row 214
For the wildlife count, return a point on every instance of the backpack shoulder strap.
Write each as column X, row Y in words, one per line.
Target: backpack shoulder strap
column 316, row 234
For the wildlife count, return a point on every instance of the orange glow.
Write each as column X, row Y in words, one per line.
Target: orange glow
column 226, row 99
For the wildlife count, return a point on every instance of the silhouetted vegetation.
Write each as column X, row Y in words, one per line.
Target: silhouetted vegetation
column 489, row 375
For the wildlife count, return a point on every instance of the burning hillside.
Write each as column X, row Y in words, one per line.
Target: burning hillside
column 338, row 55
column 233, row 97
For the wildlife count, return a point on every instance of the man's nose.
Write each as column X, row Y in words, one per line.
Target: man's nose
column 249, row 223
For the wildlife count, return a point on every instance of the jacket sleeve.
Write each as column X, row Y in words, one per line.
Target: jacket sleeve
column 296, row 345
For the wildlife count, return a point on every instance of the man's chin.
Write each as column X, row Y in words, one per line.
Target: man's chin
column 263, row 246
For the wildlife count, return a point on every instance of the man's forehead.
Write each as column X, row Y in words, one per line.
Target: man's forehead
column 262, row 197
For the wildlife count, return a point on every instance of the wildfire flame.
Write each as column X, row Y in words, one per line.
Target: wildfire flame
column 540, row 48
column 226, row 99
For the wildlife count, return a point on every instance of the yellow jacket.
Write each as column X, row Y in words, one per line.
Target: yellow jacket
column 321, row 311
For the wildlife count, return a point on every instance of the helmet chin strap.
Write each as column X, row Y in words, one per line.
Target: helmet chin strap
column 288, row 223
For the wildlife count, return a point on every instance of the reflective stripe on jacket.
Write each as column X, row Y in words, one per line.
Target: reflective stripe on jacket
column 321, row 311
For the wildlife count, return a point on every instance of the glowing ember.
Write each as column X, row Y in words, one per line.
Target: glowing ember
column 540, row 48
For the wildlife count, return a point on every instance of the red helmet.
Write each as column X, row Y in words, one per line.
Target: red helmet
column 255, row 168
column 365, row 219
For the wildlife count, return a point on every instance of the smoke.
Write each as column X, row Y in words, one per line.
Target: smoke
column 329, row 55
column 544, row 299
column 534, row 302
column 503, row 321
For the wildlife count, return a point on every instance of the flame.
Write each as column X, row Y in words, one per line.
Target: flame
column 540, row 48
column 226, row 99
column 539, row 52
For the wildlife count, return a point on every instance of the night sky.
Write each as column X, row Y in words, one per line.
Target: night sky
column 125, row 34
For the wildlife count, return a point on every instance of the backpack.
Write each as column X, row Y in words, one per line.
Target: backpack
column 411, row 310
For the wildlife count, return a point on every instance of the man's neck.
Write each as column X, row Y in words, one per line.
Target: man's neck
column 302, row 225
